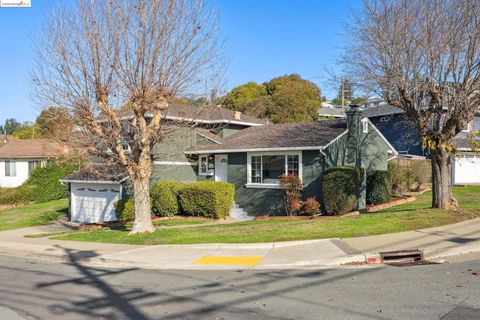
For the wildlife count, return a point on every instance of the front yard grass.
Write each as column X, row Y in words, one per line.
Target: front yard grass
column 32, row 214
column 410, row 216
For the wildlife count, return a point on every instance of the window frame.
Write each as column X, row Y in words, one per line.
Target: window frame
column 468, row 127
column 210, row 171
column 9, row 163
column 251, row 184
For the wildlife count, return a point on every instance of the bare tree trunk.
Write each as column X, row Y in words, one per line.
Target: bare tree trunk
column 141, row 193
column 442, row 196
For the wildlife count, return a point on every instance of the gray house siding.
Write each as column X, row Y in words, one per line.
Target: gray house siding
column 254, row 201
column 373, row 151
column 229, row 130
column 258, row 201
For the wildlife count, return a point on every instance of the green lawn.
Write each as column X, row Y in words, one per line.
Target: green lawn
column 32, row 215
column 410, row 216
column 180, row 221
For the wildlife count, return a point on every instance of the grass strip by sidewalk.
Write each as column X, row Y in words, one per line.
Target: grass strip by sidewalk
column 410, row 216
column 32, row 214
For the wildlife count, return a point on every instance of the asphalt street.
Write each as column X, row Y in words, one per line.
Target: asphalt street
column 34, row 289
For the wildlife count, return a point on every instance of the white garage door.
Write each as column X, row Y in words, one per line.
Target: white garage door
column 466, row 170
column 94, row 202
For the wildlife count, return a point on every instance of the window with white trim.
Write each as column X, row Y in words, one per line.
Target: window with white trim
column 267, row 168
column 365, row 126
column 206, row 165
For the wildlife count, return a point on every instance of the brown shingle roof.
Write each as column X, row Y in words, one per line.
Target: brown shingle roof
column 278, row 136
column 202, row 114
column 29, row 148
column 98, row 173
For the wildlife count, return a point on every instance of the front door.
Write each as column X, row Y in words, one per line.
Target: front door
column 221, row 167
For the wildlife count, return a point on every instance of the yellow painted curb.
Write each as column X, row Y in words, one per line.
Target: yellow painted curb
column 237, row 260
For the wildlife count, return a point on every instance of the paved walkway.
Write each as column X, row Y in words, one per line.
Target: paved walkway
column 460, row 238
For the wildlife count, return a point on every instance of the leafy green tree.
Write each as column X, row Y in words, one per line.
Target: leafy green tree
column 27, row 131
column 244, row 95
column 358, row 100
column 11, row 125
column 292, row 99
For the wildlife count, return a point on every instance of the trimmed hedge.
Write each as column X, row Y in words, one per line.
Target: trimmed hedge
column 125, row 210
column 378, row 187
column 213, row 199
column 164, row 195
column 340, row 187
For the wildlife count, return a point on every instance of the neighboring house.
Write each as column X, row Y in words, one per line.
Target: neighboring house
column 397, row 128
column 373, row 102
column 405, row 137
column 18, row 158
column 247, row 153
column 466, row 166
column 332, row 111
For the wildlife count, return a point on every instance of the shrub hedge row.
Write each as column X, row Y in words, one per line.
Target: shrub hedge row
column 206, row 198
column 164, row 196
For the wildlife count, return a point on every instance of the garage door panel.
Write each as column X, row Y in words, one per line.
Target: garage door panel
column 467, row 169
column 94, row 203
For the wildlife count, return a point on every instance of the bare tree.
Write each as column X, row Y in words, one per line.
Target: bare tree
column 423, row 57
column 98, row 56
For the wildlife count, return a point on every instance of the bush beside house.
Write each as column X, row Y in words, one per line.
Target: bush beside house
column 378, row 187
column 207, row 198
column 125, row 210
column 411, row 177
column 340, row 186
column 164, row 194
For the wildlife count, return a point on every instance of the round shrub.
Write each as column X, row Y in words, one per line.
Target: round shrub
column 213, row 199
column 311, row 207
column 340, row 188
column 125, row 210
column 164, row 196
column 378, row 187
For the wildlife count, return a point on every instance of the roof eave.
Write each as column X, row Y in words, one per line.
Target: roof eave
column 93, row 181
column 254, row 150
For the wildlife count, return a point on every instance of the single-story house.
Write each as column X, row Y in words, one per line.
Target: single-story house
column 18, row 158
column 252, row 158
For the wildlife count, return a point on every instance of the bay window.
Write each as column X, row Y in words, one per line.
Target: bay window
column 267, row 168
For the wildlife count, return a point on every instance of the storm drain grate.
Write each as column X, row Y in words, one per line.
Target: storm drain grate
column 404, row 258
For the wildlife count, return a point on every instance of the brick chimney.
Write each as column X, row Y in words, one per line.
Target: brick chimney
column 238, row 115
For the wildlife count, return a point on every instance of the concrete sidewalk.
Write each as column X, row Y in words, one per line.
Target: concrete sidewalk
column 460, row 238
